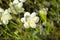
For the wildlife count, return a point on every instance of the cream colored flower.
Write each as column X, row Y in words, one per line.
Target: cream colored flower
column 30, row 20
column 19, row 7
column 6, row 17
column 16, row 7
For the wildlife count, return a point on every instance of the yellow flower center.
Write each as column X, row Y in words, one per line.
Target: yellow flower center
column 31, row 22
column 6, row 17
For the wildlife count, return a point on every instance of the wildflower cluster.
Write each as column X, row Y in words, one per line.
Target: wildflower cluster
column 25, row 19
column 16, row 7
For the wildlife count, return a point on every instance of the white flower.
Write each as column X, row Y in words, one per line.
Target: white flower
column 6, row 17
column 30, row 20
column 22, row 19
column 22, row 0
column 16, row 8
column 19, row 7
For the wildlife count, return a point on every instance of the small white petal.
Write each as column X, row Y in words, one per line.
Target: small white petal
column 6, row 11
column 5, row 21
column 21, row 10
column 1, row 10
column 36, row 19
column 20, row 5
column 13, row 10
column 9, row 10
column 26, row 14
column 33, row 25
column 33, row 14
column 26, row 25
column 22, row 19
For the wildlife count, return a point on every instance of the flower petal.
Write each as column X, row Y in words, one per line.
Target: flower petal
column 26, row 14
column 33, row 14
column 33, row 25
column 6, row 15
column 1, row 10
column 36, row 19
column 20, row 5
column 26, row 25
column 22, row 19
column 5, row 21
